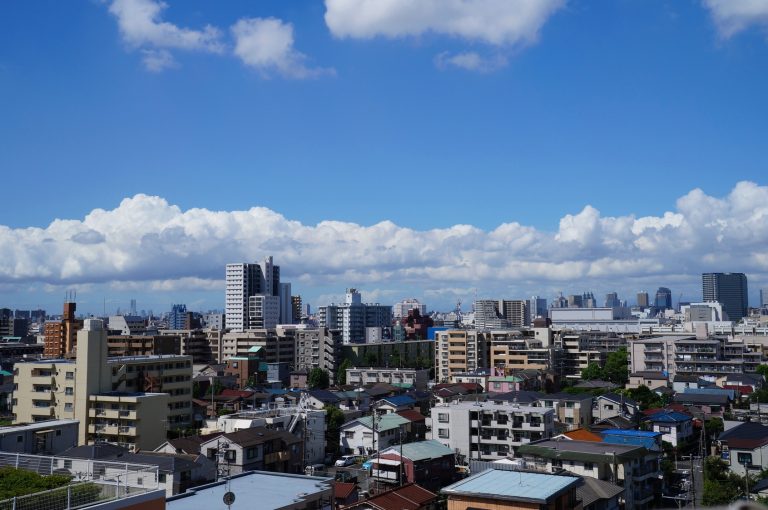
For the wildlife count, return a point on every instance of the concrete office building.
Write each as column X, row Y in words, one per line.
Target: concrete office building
column 353, row 317
column 401, row 309
column 663, row 300
column 730, row 289
column 127, row 325
column 179, row 318
column 286, row 304
column 612, row 300
column 297, row 310
column 487, row 430
column 642, row 299
column 316, row 348
column 764, row 297
column 128, row 400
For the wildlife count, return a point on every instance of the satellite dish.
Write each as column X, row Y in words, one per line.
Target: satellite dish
column 229, row 498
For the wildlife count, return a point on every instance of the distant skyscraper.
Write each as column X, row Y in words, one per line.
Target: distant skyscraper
column 642, row 299
column 353, row 317
column 612, row 300
column 588, row 300
column 729, row 289
column 574, row 301
column 764, row 297
column 178, row 318
column 663, row 299
column 537, row 307
column 133, row 307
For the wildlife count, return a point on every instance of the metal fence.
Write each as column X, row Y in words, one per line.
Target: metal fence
column 92, row 481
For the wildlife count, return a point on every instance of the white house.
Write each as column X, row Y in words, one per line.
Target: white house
column 362, row 436
column 675, row 427
column 745, row 447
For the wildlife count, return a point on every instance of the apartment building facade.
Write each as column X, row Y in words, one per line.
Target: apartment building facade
column 353, row 317
column 316, row 348
column 488, row 430
column 511, row 351
column 458, row 351
column 147, row 393
column 362, row 376
column 60, row 336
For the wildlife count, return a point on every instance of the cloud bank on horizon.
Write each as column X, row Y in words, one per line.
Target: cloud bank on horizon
column 151, row 244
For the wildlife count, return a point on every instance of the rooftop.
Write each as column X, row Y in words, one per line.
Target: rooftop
column 669, row 417
column 421, row 450
column 384, row 422
column 270, row 490
column 513, row 486
column 746, row 435
column 495, row 406
column 586, row 451
column 595, row 490
column 40, row 425
column 407, row 497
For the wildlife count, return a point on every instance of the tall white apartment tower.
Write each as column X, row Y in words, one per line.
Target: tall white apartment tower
column 245, row 280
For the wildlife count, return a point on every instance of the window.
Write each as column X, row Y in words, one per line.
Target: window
column 588, row 466
column 68, row 406
column 58, row 432
column 69, row 390
column 19, row 439
column 161, row 478
column 67, row 464
column 349, row 434
column 442, row 417
column 69, row 376
column 745, row 459
column 608, row 407
column 442, row 433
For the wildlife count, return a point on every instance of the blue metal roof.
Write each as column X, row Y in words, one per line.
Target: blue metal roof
column 513, row 485
column 401, row 400
column 649, row 440
column 630, row 433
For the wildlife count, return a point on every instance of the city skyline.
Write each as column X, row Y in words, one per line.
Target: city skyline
column 174, row 256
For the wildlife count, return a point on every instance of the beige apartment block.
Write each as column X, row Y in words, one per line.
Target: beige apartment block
column 458, row 351
column 66, row 389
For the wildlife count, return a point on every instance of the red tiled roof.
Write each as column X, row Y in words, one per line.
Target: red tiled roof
column 583, row 435
column 342, row 490
column 407, row 497
column 412, row 415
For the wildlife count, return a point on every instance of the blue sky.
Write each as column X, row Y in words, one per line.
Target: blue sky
column 417, row 117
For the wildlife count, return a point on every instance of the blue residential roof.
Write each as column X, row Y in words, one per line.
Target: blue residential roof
column 514, row 486
column 669, row 417
column 710, row 391
column 649, row 440
column 401, row 400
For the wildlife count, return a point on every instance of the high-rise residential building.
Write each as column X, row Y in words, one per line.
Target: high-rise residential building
column 515, row 311
column 642, row 299
column 245, row 280
column 296, row 309
column 179, row 318
column 401, row 309
column 61, row 335
column 764, row 297
column 354, row 316
column 729, row 289
column 263, row 312
column 537, row 307
column 663, row 299
column 612, row 300
column 457, row 352
column 286, row 305
column 500, row 314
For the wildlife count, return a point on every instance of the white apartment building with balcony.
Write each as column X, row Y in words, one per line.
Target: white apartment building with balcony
column 489, row 431
column 363, row 376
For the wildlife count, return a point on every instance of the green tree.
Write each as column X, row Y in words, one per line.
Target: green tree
column 334, row 419
column 616, row 369
column 592, row 371
column 341, row 375
column 645, row 397
column 371, row 359
column 762, row 370
column 720, row 485
column 19, row 482
column 318, row 379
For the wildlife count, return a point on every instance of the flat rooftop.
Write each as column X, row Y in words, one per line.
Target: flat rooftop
column 506, row 406
column 40, row 425
column 513, row 486
column 254, row 489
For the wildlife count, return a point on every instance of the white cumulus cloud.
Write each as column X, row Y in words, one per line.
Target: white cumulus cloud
column 266, row 44
column 141, row 26
column 470, row 61
column 733, row 16
column 499, row 23
column 145, row 242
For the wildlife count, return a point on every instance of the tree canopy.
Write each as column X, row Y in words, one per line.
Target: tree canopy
column 341, row 376
column 318, row 379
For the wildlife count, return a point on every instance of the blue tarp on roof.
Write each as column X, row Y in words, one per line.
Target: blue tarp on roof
column 650, row 440
column 401, row 400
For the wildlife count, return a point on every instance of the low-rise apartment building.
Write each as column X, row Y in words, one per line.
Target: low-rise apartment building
column 363, row 376
column 510, row 350
column 43, row 438
column 146, row 394
column 255, row 448
column 316, row 348
column 635, row 468
column 487, row 430
column 573, row 410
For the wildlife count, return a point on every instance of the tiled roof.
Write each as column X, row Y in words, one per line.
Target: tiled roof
column 191, row 444
column 594, row 490
column 412, row 415
column 400, row 400
column 342, row 490
column 407, row 497
column 583, row 435
column 648, row 374
column 747, row 435
column 384, row 422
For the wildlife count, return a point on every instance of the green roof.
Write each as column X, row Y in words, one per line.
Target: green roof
column 255, row 348
column 421, row 450
column 584, row 451
column 402, row 385
column 386, row 422
column 507, row 378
